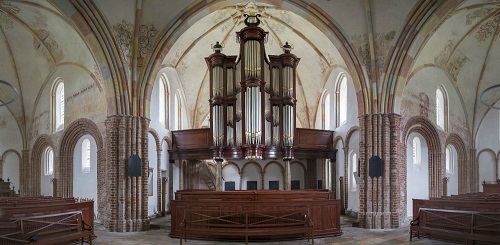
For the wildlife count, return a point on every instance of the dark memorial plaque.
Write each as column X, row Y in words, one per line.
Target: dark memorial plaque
column 274, row 185
column 134, row 166
column 251, row 185
column 375, row 166
column 229, row 186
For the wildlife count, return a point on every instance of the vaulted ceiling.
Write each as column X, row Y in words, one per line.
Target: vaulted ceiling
column 38, row 37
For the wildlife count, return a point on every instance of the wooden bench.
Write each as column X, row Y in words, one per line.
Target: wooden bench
column 237, row 224
column 468, row 227
column 38, row 201
column 8, row 215
column 60, row 228
column 323, row 209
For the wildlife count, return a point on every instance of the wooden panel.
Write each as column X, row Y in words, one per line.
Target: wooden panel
column 191, row 139
column 197, row 144
column 491, row 188
column 313, row 139
column 324, row 210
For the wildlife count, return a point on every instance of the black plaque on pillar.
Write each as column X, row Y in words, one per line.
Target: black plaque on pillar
column 134, row 166
column 375, row 166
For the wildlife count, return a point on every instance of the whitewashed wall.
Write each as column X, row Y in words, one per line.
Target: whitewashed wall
column 417, row 178
column 85, row 184
column 152, row 180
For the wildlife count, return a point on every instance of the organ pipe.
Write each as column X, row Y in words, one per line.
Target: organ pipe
column 253, row 96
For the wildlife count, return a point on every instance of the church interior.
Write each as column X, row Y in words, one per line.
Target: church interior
column 140, row 105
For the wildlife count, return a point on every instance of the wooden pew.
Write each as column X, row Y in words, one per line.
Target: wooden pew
column 461, row 218
column 467, row 227
column 67, row 227
column 247, row 223
column 33, row 201
column 323, row 210
column 12, row 217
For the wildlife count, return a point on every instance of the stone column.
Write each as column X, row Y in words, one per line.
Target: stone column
column 380, row 197
column 333, row 177
column 218, row 175
column 288, row 177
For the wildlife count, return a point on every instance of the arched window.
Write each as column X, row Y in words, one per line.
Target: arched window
column 450, row 159
column 177, row 112
column 341, row 99
column 353, row 166
column 163, row 97
column 58, row 106
column 48, row 161
column 326, row 111
column 86, row 156
column 441, row 109
column 416, row 153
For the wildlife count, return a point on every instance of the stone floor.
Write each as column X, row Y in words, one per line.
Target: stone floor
column 351, row 235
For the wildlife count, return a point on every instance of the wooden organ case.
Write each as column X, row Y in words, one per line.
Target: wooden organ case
column 252, row 107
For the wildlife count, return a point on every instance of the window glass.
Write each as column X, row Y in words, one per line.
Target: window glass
column 59, row 107
column 86, row 156
column 48, row 161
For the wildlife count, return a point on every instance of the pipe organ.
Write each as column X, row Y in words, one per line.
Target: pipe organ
column 252, row 102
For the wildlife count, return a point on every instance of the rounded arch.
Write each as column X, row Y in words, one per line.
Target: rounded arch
column 10, row 151
column 230, row 163
column 338, row 139
column 487, row 150
column 156, row 137
column 168, row 141
column 64, row 168
column 464, row 170
column 487, row 167
column 300, row 164
column 2, row 164
column 315, row 14
column 33, row 187
column 277, row 163
column 424, row 127
column 250, row 175
column 349, row 134
column 257, row 165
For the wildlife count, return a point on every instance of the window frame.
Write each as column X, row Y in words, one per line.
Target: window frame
column 48, row 161
column 86, row 164
column 58, row 105
column 341, row 100
column 441, row 108
column 326, row 111
column 353, row 165
column 164, row 101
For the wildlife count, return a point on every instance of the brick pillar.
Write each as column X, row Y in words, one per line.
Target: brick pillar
column 27, row 175
column 380, row 196
column 127, row 196
column 473, row 168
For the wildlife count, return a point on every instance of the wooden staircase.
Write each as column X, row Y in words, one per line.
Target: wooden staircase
column 206, row 175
